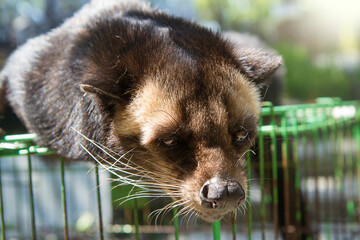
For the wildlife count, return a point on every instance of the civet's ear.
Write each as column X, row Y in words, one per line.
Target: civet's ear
column 110, row 85
column 99, row 91
column 255, row 59
column 109, row 68
column 257, row 64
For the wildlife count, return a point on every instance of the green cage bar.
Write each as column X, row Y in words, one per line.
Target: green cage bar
column 285, row 162
column 328, row 161
column 315, row 166
column 297, row 180
column 349, row 171
column 349, row 204
column 2, row 209
column 136, row 219
column 356, row 134
column 262, row 179
column 176, row 223
column 234, row 226
column 305, row 143
column 342, row 174
column 274, row 169
column 98, row 195
column 31, row 197
column 335, row 201
column 249, row 207
column 28, row 137
column 216, row 227
column 63, row 199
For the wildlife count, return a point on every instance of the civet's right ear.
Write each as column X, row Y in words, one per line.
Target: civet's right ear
column 255, row 61
column 257, row 64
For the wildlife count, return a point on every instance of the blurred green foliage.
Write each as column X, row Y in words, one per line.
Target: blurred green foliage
column 232, row 14
column 306, row 80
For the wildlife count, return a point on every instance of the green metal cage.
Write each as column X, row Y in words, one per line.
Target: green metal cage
column 304, row 183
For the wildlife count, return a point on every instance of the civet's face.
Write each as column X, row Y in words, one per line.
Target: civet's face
column 193, row 138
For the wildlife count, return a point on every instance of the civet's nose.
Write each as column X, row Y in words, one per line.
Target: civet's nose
column 220, row 193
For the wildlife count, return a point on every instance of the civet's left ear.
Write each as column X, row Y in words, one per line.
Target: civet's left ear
column 257, row 64
column 256, row 61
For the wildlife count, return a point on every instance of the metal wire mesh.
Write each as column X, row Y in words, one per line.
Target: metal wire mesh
column 304, row 184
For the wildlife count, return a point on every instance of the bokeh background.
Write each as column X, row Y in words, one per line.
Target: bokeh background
column 319, row 39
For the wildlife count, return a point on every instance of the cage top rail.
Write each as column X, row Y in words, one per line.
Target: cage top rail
column 321, row 103
column 326, row 112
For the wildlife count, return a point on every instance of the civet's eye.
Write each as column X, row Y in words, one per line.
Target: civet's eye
column 169, row 142
column 241, row 137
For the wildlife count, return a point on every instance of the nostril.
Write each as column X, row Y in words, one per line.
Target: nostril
column 235, row 191
column 205, row 199
column 204, row 192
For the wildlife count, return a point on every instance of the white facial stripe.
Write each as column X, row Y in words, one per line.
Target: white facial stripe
column 147, row 133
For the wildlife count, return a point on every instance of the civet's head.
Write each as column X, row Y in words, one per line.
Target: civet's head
column 184, row 105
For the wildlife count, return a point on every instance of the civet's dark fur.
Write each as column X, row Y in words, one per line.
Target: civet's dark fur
column 81, row 74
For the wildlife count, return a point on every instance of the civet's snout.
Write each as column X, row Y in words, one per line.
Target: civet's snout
column 218, row 193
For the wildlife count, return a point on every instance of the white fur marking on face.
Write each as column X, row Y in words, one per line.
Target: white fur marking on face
column 147, row 133
column 153, row 108
column 244, row 97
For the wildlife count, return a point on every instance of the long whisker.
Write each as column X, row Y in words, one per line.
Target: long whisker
column 156, row 181
column 165, row 210
column 109, row 152
column 113, row 170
